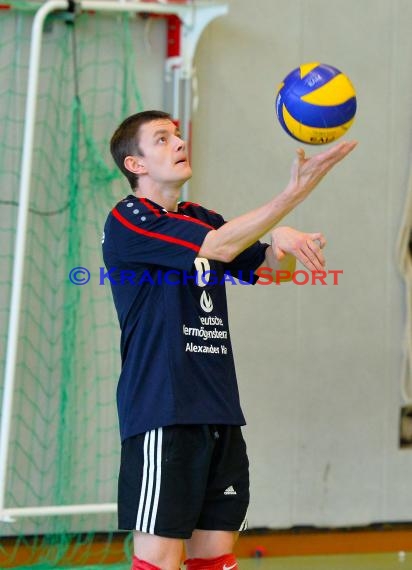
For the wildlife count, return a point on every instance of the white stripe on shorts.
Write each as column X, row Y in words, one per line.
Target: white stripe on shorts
column 158, row 479
column 151, row 479
column 243, row 526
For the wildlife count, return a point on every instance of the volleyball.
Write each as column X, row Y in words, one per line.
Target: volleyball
column 316, row 103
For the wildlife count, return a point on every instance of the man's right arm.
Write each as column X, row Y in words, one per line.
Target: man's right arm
column 236, row 235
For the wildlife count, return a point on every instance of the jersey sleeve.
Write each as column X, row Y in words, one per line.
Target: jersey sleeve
column 144, row 235
column 245, row 264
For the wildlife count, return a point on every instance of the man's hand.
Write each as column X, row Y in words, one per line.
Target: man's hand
column 225, row 243
column 305, row 247
column 308, row 172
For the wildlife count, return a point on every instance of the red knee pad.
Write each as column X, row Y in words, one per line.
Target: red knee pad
column 142, row 565
column 225, row 562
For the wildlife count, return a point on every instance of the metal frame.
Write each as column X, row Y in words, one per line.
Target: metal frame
column 194, row 18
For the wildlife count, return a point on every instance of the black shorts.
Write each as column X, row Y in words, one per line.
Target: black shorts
column 179, row 478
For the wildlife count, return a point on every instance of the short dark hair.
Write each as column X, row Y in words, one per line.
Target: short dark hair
column 125, row 140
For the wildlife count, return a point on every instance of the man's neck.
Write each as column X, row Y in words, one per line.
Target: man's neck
column 165, row 197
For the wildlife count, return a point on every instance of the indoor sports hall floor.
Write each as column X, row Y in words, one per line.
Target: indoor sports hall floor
column 382, row 561
column 386, row 561
column 388, row 547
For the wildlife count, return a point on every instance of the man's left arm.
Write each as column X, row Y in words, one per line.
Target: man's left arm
column 289, row 245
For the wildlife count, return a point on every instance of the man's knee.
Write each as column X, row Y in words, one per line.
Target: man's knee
column 154, row 552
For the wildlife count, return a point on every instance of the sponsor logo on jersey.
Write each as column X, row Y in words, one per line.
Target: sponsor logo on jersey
column 206, row 302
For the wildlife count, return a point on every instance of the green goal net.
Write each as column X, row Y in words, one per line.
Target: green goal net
column 64, row 441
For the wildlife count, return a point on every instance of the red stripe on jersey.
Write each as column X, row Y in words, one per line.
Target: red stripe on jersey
column 189, row 219
column 155, row 235
column 187, row 204
column 150, row 207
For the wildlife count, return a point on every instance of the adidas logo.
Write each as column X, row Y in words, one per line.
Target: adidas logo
column 230, row 491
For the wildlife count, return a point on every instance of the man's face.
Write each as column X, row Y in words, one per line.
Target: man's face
column 164, row 153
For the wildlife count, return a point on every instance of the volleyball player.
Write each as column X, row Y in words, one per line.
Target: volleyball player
column 184, row 467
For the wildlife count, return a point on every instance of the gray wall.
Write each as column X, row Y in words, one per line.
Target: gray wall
column 319, row 367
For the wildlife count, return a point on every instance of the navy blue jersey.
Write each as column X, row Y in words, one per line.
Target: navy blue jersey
column 177, row 361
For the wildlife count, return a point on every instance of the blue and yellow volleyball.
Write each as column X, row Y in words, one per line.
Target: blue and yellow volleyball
column 316, row 103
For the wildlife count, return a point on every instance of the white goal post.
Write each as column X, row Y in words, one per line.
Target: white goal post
column 194, row 15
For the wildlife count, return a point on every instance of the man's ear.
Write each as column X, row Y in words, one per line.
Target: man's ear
column 135, row 164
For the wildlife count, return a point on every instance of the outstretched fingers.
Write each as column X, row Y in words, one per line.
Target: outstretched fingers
column 307, row 172
column 336, row 153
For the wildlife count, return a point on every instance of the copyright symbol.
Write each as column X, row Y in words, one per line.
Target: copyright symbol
column 79, row 275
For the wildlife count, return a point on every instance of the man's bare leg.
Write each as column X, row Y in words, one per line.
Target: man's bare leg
column 161, row 552
column 211, row 550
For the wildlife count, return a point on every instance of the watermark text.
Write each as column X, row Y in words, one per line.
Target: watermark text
column 262, row 276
